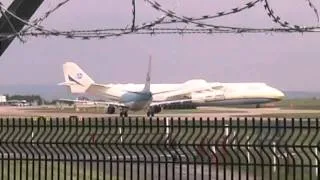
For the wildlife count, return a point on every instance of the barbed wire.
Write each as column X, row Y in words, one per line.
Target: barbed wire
column 193, row 25
column 100, row 34
column 35, row 23
column 10, row 24
column 27, row 23
column 184, row 19
column 50, row 11
column 312, row 6
column 278, row 20
column 133, row 14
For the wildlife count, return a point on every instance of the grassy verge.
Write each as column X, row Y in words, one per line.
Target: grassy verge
column 38, row 170
column 299, row 104
column 290, row 115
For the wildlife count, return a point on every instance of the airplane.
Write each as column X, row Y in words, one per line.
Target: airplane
column 197, row 91
column 18, row 102
column 134, row 100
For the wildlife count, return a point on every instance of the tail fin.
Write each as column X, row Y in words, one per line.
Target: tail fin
column 147, row 83
column 75, row 78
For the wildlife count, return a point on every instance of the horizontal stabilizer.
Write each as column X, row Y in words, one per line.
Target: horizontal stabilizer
column 69, row 83
column 97, row 89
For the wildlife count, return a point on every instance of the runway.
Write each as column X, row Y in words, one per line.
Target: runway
column 204, row 112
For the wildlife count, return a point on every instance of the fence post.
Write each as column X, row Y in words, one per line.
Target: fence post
column 32, row 134
column 316, row 160
column 234, row 139
column 227, row 132
column 120, row 132
column 213, row 149
column 248, row 154
column 274, row 157
column 167, row 129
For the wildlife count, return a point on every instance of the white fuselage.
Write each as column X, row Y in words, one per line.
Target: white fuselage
column 139, row 96
column 212, row 94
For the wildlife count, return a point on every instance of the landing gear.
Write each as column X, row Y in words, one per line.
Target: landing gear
column 157, row 109
column 150, row 113
column 153, row 110
column 111, row 110
column 124, row 113
column 258, row 106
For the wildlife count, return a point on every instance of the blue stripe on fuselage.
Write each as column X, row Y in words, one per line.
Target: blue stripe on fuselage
column 73, row 80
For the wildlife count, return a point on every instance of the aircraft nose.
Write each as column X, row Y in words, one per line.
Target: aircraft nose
column 279, row 94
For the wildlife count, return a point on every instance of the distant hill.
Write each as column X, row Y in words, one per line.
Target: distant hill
column 301, row 95
column 50, row 92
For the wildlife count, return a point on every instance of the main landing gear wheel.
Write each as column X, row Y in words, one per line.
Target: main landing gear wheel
column 150, row 113
column 124, row 114
column 111, row 110
column 153, row 110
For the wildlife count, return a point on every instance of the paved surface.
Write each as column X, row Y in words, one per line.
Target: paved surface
column 9, row 111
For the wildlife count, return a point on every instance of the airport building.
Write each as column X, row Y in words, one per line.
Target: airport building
column 3, row 100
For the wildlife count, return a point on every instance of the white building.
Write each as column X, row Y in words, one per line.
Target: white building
column 3, row 99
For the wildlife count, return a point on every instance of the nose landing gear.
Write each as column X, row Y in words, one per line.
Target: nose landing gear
column 123, row 112
column 153, row 110
column 150, row 113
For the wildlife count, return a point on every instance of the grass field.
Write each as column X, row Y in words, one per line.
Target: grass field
column 299, row 104
column 39, row 170
column 289, row 116
column 296, row 104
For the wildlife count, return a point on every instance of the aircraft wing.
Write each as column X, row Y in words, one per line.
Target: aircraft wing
column 107, row 103
column 161, row 103
column 111, row 103
column 182, row 92
column 69, row 100
column 97, row 88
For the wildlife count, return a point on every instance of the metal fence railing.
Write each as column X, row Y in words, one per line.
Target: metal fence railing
column 159, row 148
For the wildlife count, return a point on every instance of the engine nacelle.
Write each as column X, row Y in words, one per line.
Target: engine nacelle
column 111, row 109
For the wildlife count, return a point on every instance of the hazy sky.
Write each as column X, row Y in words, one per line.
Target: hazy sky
column 285, row 61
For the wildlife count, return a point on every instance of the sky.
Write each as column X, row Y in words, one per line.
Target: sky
column 284, row 61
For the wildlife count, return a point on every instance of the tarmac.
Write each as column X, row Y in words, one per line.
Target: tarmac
column 204, row 112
